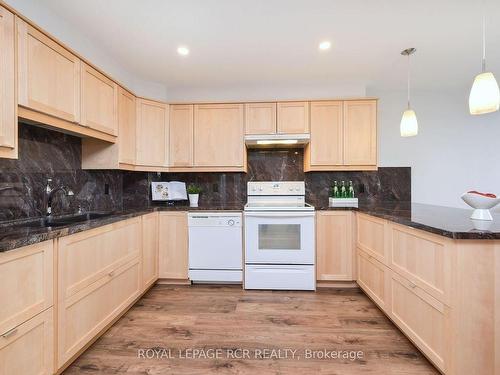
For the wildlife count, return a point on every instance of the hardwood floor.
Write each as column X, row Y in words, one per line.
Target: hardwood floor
column 184, row 318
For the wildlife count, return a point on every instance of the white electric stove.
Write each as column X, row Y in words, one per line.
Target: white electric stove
column 279, row 237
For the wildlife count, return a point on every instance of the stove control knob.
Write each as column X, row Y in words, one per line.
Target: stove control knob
column 297, row 189
column 230, row 222
column 260, row 189
column 254, row 189
column 291, row 189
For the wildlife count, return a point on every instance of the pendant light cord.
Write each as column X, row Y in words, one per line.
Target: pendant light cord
column 483, row 66
column 408, row 86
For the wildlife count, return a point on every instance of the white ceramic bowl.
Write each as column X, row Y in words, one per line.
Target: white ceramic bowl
column 480, row 201
column 481, row 205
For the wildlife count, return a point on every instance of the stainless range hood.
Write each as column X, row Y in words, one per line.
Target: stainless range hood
column 277, row 140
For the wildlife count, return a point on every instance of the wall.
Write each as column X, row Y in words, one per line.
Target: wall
column 454, row 152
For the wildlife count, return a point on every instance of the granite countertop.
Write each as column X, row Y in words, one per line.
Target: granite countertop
column 449, row 222
column 445, row 221
column 22, row 233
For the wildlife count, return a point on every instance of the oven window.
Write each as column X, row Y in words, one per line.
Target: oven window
column 279, row 236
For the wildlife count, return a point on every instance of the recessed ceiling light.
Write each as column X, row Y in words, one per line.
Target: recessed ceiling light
column 325, row 45
column 183, row 51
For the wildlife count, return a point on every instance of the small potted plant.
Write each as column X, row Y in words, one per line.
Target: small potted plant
column 194, row 194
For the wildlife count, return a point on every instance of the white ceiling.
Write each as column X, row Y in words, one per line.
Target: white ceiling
column 238, row 43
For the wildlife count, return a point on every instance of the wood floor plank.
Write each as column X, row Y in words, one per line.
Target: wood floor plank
column 230, row 320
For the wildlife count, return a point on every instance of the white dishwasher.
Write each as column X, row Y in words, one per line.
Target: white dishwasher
column 215, row 247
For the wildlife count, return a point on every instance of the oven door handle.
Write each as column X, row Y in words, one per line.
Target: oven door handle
column 281, row 214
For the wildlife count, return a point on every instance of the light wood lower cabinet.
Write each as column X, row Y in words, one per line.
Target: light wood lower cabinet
column 29, row 348
column 173, row 248
column 26, row 277
column 374, row 278
column 150, row 241
column 334, row 245
column 8, row 102
column 371, row 237
column 422, row 258
column 100, row 273
column 85, row 314
column 424, row 319
column 88, row 256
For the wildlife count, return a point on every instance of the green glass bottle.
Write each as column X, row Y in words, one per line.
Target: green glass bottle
column 350, row 191
column 343, row 190
column 335, row 190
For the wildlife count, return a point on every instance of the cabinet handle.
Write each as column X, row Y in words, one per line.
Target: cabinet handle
column 413, row 286
column 9, row 333
column 111, row 273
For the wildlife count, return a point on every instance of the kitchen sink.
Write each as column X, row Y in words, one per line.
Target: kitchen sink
column 67, row 220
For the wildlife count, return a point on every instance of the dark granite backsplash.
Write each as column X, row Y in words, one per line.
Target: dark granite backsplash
column 48, row 154
column 386, row 184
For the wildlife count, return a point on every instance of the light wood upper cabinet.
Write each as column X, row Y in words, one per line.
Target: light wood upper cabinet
column 99, row 101
column 334, row 245
column 48, row 75
column 218, row 135
column 8, row 106
column 152, row 133
column 260, row 118
column 173, row 248
column 181, row 135
column 360, row 132
column 293, row 117
column 326, row 146
column 127, row 126
column 149, row 249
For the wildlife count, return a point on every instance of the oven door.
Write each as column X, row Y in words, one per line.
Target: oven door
column 279, row 237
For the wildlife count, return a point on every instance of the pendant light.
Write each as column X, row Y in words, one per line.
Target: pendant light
column 484, row 95
column 409, row 124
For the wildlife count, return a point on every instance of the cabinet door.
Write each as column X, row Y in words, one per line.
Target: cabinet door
column 173, row 249
column 84, row 315
column 326, row 145
column 293, row 117
column 99, row 101
column 360, row 132
column 8, row 116
column 371, row 237
column 48, row 75
column 181, row 135
column 218, row 135
column 149, row 249
column 422, row 318
column 152, row 133
column 29, row 348
column 334, row 246
column 260, row 118
column 374, row 279
column 26, row 277
column 127, row 126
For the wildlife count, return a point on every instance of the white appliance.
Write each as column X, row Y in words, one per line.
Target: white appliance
column 279, row 237
column 215, row 247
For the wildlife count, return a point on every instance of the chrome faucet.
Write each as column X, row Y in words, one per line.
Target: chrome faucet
column 49, row 195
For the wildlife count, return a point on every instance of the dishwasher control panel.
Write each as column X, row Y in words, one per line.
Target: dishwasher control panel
column 214, row 219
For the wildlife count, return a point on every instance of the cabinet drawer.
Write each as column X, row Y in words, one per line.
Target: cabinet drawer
column 88, row 256
column 371, row 236
column 29, row 348
column 423, row 259
column 373, row 278
column 421, row 317
column 83, row 315
column 26, row 277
